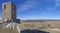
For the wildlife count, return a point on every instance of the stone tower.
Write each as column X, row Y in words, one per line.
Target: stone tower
column 8, row 11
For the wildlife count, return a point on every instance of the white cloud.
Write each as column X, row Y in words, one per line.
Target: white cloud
column 27, row 5
column 50, row 9
column 0, row 18
column 57, row 2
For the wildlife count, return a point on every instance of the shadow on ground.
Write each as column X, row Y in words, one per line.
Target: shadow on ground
column 33, row 31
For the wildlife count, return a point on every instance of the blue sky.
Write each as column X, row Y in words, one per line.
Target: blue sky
column 35, row 9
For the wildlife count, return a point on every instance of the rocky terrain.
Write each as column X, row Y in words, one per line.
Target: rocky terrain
column 51, row 26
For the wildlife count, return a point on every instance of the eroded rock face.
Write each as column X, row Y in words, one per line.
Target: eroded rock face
column 12, row 25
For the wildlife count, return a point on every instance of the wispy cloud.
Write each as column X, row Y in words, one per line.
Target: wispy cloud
column 27, row 5
column 57, row 2
column 0, row 18
column 33, row 3
column 43, row 7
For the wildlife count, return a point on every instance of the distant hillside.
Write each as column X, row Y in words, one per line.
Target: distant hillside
column 38, row 20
